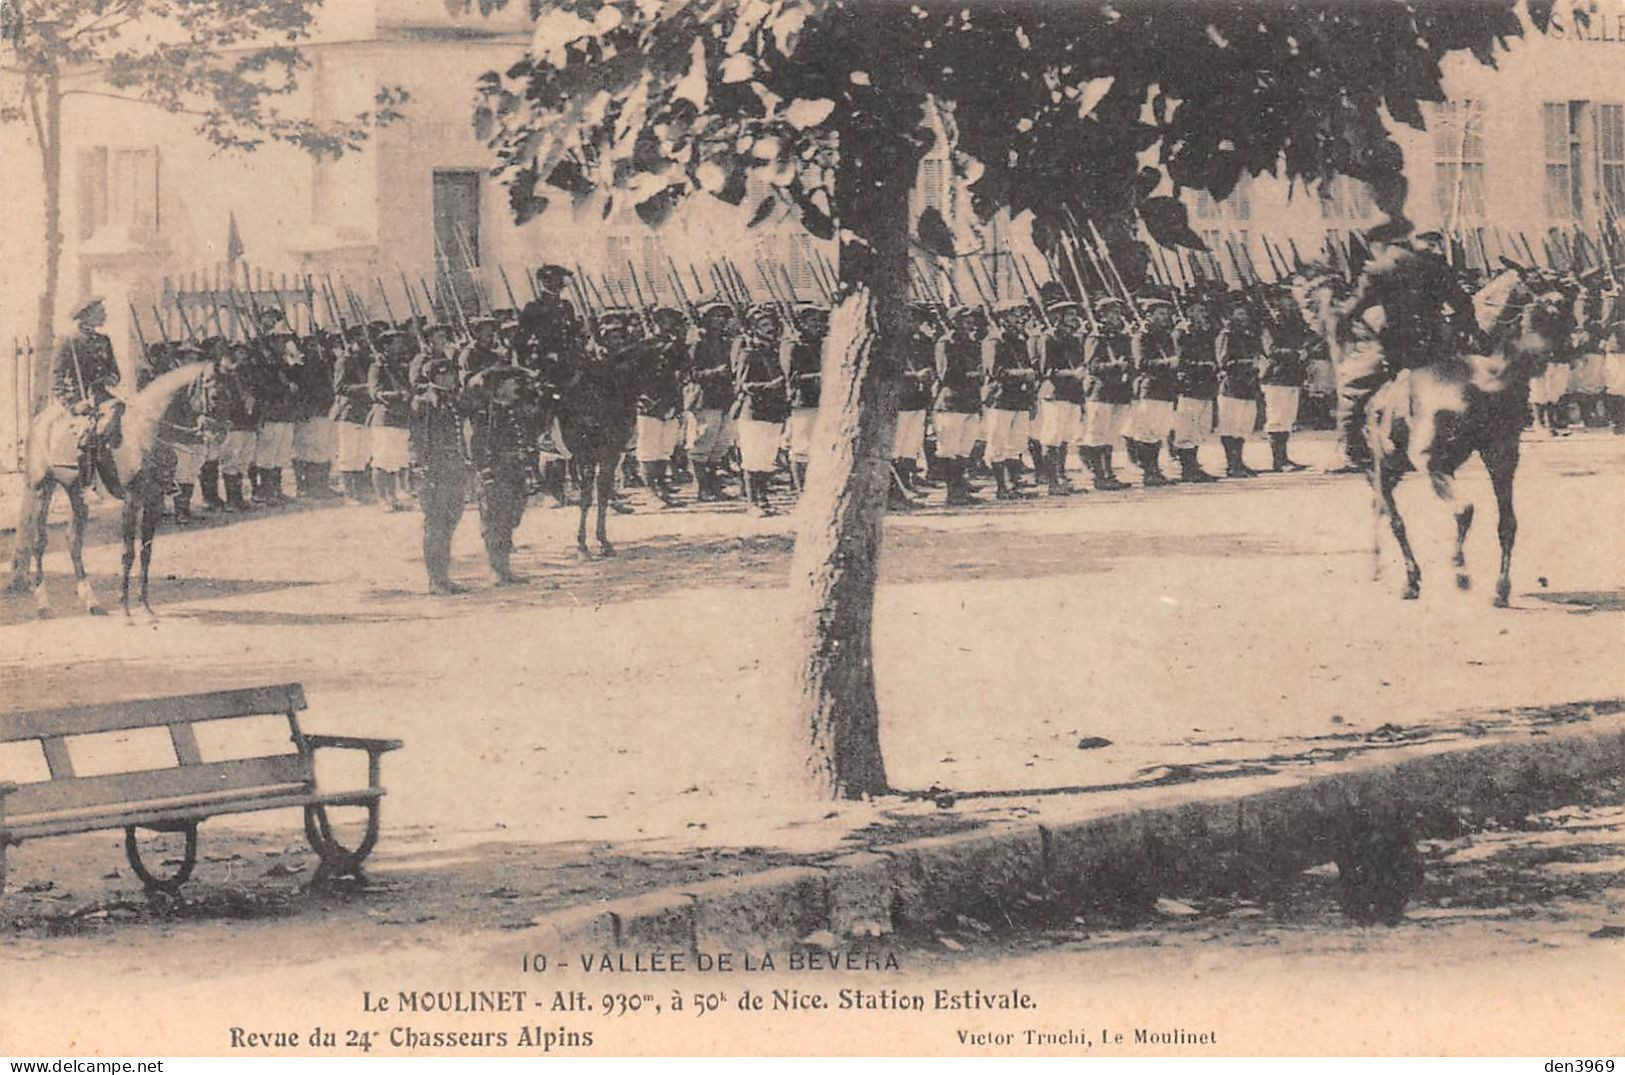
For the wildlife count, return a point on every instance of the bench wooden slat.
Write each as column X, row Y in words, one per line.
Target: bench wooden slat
column 146, row 816
column 152, row 712
column 143, row 786
column 56, row 757
column 187, row 751
column 88, row 816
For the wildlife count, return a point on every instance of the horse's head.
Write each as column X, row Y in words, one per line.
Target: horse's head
column 143, row 414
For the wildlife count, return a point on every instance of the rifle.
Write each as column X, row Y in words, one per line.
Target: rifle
column 389, row 311
column 690, row 309
column 643, row 305
column 1033, row 300
column 141, row 338
column 469, row 265
column 513, row 302
column 1077, row 277
column 587, row 314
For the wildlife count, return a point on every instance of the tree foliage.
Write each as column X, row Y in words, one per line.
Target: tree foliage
column 1107, row 107
column 230, row 64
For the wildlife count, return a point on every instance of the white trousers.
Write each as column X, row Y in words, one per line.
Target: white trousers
column 956, row 434
column 1236, row 416
column 1060, row 422
column 1280, row 408
column 909, row 443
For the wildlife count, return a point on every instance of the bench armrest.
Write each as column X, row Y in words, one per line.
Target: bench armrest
column 375, row 748
column 352, row 742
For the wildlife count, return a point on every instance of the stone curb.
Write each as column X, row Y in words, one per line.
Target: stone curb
column 1178, row 837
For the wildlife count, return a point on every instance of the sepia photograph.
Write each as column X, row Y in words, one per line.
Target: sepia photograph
column 994, row 528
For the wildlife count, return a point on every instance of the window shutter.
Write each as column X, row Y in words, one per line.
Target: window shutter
column 92, row 190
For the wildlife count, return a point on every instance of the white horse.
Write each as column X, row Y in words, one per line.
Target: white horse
column 137, row 470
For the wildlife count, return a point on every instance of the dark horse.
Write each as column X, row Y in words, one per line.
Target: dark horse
column 138, row 469
column 1432, row 419
column 597, row 416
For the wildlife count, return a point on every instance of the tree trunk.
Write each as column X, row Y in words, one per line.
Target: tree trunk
column 832, row 573
column 48, row 125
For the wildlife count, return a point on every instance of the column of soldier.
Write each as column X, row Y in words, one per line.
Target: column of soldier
column 723, row 387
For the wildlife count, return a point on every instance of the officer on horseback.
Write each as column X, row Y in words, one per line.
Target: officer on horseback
column 1426, row 315
column 84, row 375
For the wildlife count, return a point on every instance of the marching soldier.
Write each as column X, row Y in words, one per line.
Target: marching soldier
column 660, row 400
column 1008, row 396
column 1240, row 349
column 1060, row 404
column 352, row 402
column 914, row 399
column 501, row 447
column 709, row 395
column 1197, row 377
column 959, row 406
column 1285, row 370
column 762, row 406
column 440, row 460
column 1156, row 389
column 549, row 328
column 1109, row 391
column 279, row 409
column 805, row 369
column 390, row 416
column 313, row 435
column 235, row 393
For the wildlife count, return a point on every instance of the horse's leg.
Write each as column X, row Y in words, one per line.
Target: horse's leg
column 76, row 549
column 1444, row 485
column 607, row 468
column 586, row 480
column 1386, row 478
column 1501, row 460
column 130, row 521
column 27, row 537
column 152, row 513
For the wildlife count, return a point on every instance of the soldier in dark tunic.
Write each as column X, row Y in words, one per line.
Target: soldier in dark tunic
column 83, row 377
column 1286, row 368
column 660, row 400
column 1108, row 391
column 708, row 397
column 313, row 434
column 1156, row 389
column 805, row 371
column 763, row 405
column 1197, row 377
column 914, row 399
column 1240, row 351
column 440, row 463
column 390, row 416
column 1009, row 396
column 959, row 406
column 1060, row 404
column 352, row 401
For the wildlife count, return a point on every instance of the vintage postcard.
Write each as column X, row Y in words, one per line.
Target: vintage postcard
column 812, row 527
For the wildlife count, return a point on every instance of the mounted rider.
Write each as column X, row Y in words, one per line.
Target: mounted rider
column 82, row 382
column 1427, row 315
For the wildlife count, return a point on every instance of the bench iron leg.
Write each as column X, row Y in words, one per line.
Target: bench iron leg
column 337, row 860
column 171, row 885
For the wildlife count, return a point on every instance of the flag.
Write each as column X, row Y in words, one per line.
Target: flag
column 234, row 242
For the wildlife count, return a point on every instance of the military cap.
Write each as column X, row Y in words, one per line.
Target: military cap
column 1060, row 306
column 390, row 335
column 493, row 377
column 482, row 321
column 1108, row 302
column 1154, row 302
column 617, row 317
column 960, row 313
column 763, row 310
column 715, row 306
column 435, row 326
column 86, row 306
column 1430, row 237
column 1389, row 230
column 505, row 314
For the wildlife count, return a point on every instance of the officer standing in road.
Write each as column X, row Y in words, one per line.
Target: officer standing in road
column 501, row 446
column 440, row 463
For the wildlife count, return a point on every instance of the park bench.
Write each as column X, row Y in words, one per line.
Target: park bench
column 177, row 796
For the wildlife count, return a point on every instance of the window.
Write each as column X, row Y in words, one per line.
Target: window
column 1237, row 206
column 1458, row 162
column 800, row 266
column 1611, row 157
column 118, row 188
column 1343, row 198
column 617, row 256
column 457, row 231
column 1561, row 160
